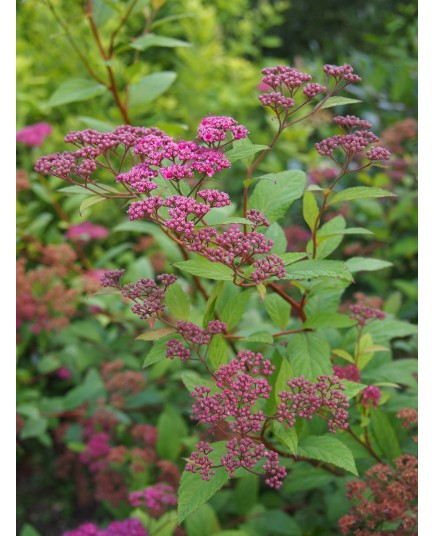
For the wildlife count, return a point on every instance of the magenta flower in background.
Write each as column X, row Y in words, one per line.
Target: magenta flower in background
column 63, row 373
column 34, row 135
column 128, row 527
column 86, row 231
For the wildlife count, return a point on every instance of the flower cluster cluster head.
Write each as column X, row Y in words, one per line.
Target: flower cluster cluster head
column 97, row 448
column 257, row 218
column 128, row 527
column 268, row 266
column 353, row 141
column 112, row 278
column 283, row 77
column 139, row 178
column 306, row 398
column 199, row 461
column 175, row 348
column 387, row 495
column 157, row 497
column 348, row 372
column 312, row 90
column 213, row 129
column 363, row 313
column 370, row 396
column 194, row 336
column 276, row 101
column 342, row 73
column 215, row 198
column 34, row 135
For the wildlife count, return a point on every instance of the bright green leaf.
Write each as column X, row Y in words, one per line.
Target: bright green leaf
column 359, row 192
column 278, row 310
column 288, row 436
column 150, row 87
column 384, row 434
column 310, row 210
column 311, row 269
column 329, row 320
column 328, row 449
column 366, row 264
column 178, row 302
column 338, row 101
column 152, row 40
column 76, row 91
column 309, row 355
column 204, row 268
column 155, row 334
column 89, row 201
column 241, row 151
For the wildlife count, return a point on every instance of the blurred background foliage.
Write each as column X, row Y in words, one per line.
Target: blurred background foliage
column 173, row 62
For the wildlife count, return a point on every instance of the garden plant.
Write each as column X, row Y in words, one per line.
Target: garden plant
column 235, row 370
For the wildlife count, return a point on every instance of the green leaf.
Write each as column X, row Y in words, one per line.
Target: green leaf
column 178, row 302
column 384, row 434
column 278, row 310
column 325, row 247
column 261, row 336
column 28, row 530
column 310, row 210
column 158, row 351
column 383, row 331
column 34, row 428
column 234, row 308
column 74, row 189
column 150, row 87
column 155, row 334
column 349, row 231
column 242, row 151
column 290, row 258
column 76, row 91
column 91, row 389
column 273, row 197
column 96, row 124
column 277, row 235
column 329, row 320
column 192, row 379
column 89, row 201
column 152, row 40
column 398, row 371
column 352, row 389
column 366, row 264
column 359, row 192
column 235, row 219
column 209, row 313
column 193, row 491
column 338, row 101
column 171, row 430
column 204, row 268
column 311, row 269
column 217, row 352
column 202, row 521
column 288, row 436
column 328, row 449
column 344, row 354
column 309, row 355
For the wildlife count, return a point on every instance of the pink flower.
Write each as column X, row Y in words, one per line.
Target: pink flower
column 34, row 135
column 63, row 373
column 86, row 231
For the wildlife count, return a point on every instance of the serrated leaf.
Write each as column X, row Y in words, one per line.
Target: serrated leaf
column 76, row 90
column 338, row 101
column 277, row 235
column 309, row 355
column 89, row 201
column 352, row 388
column 152, row 40
column 150, row 87
column 274, row 197
column 366, row 264
column 261, row 336
column 217, row 352
column 242, row 151
column 310, row 210
column 288, row 436
column 155, row 334
column 290, row 258
column 359, row 192
column 178, row 302
column 193, row 491
column 311, row 269
column 328, row 449
column 384, row 434
column 278, row 310
column 204, row 268
column 329, row 320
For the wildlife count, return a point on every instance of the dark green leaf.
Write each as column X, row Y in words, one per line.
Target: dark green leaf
column 384, row 434
column 311, row 269
column 171, row 430
column 278, row 310
column 328, row 449
column 329, row 320
column 362, row 264
column 150, row 87
column 288, row 436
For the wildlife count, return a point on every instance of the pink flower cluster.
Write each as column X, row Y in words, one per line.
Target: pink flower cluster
column 269, row 266
column 213, row 129
column 257, row 219
column 86, row 231
column 157, row 497
column 355, row 141
column 128, row 527
column 34, row 135
column 194, row 336
column 348, row 372
column 342, row 72
column 147, row 295
column 96, row 448
column 282, row 76
column 363, row 313
column 305, row 398
column 370, row 395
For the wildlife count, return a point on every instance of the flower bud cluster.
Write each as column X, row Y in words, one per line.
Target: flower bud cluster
column 128, row 527
column 257, row 219
column 342, row 72
column 370, row 396
column 363, row 313
column 306, row 398
column 194, row 336
column 348, row 372
column 269, row 266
